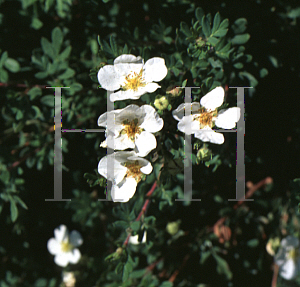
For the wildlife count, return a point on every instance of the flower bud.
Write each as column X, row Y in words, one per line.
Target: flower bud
column 174, row 91
column 203, row 153
column 173, row 227
column 161, row 102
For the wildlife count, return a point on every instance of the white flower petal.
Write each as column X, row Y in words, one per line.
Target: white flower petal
column 54, row 247
column 187, row 125
column 147, row 169
column 178, row 114
column 288, row 270
column 61, row 260
column 208, row 135
column 145, row 142
column 128, row 94
column 128, row 58
column 149, row 88
column 124, row 191
column 127, row 69
column 109, row 79
column 213, row 99
column 73, row 256
column 150, row 120
column 155, row 69
column 61, row 233
column 75, row 238
column 227, row 119
column 119, row 170
column 135, row 239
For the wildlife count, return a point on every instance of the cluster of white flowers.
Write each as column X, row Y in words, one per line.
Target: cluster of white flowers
column 130, row 78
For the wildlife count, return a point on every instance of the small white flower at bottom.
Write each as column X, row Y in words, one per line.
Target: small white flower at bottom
column 129, row 169
column 63, row 246
column 288, row 258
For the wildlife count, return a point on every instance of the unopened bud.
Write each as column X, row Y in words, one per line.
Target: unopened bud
column 173, row 227
column 161, row 102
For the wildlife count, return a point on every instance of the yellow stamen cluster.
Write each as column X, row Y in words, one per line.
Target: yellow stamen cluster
column 133, row 81
column 206, row 118
column 134, row 170
column 66, row 246
column 131, row 128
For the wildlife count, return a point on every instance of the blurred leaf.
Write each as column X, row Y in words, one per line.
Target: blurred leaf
column 13, row 210
column 47, row 48
column 206, row 27
column 239, row 26
column 294, row 13
column 217, row 21
column 263, row 72
column 3, row 76
column 253, row 242
column 34, row 92
column 274, row 61
column 251, row 78
column 222, row 266
column 185, row 29
column 48, row 101
column 36, row 23
column 57, row 39
column 240, row 39
column 199, row 13
column 69, row 73
column 12, row 65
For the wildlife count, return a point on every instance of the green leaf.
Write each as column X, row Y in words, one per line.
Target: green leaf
column 69, row 73
column 213, row 40
column 135, row 225
column 224, row 24
column 294, row 13
column 3, row 76
column 41, row 75
column 274, row 61
column 199, row 13
column 36, row 23
column 166, row 284
column 13, row 210
column 34, row 92
column 12, row 65
column 48, row 101
column 57, row 39
column 220, row 33
column 206, row 27
column 20, row 201
column 65, row 53
column 185, row 29
column 238, row 65
column 113, row 45
column 250, row 77
column 47, row 48
column 222, row 266
column 253, row 242
column 204, row 256
column 263, row 72
column 239, row 26
column 19, row 115
column 217, row 21
column 3, row 58
column 240, row 39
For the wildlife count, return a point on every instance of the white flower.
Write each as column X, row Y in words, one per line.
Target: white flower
column 63, row 246
column 128, row 172
column 288, row 258
column 135, row 239
column 204, row 117
column 69, row 279
column 133, row 77
column 133, row 128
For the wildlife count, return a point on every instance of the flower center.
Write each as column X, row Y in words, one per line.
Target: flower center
column 66, row 246
column 133, row 170
column 131, row 128
column 133, row 81
column 206, row 118
column 293, row 254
